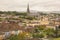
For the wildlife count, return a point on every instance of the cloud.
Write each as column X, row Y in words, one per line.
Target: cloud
column 21, row 5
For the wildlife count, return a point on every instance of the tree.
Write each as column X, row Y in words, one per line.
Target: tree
column 49, row 32
column 20, row 36
column 38, row 35
column 40, row 27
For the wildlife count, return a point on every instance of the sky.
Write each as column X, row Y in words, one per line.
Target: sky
column 38, row 5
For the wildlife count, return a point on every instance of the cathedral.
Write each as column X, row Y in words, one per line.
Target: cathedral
column 31, row 12
column 28, row 9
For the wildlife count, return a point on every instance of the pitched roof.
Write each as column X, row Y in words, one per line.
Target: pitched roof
column 9, row 26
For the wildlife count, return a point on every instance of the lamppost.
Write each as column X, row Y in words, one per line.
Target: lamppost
column 56, row 29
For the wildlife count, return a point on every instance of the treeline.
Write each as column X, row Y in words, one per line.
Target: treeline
column 25, row 13
column 13, row 12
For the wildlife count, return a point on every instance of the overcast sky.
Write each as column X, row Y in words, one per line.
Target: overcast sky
column 21, row 5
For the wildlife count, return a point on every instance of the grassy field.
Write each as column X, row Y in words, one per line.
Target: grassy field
column 56, row 38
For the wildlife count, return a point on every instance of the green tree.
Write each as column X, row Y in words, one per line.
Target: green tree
column 38, row 35
column 49, row 32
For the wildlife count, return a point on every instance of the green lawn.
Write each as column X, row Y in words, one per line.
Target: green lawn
column 56, row 38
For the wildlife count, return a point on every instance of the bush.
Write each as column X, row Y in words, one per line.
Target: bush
column 37, row 35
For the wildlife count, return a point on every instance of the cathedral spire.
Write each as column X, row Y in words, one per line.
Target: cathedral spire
column 28, row 10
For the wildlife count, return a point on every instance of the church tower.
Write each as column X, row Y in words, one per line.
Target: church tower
column 28, row 10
